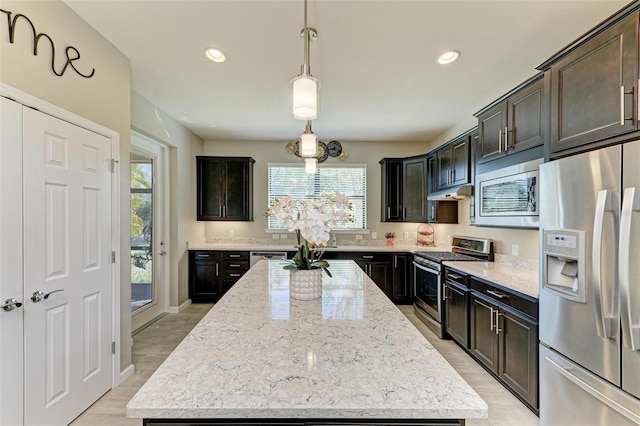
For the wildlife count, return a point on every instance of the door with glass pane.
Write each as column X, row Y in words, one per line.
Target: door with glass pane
column 147, row 242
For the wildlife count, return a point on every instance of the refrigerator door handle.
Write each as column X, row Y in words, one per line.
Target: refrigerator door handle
column 606, row 322
column 573, row 374
column 629, row 296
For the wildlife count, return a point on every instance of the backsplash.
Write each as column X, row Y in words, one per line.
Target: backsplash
column 400, row 242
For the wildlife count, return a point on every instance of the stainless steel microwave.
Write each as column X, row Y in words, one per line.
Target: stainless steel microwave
column 508, row 197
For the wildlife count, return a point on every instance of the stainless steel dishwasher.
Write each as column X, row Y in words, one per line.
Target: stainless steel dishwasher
column 256, row 256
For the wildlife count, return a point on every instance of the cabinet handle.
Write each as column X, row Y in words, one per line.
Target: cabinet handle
column 498, row 329
column 224, row 211
column 622, row 105
column 217, row 270
column 235, row 275
column 453, row 175
column 444, row 296
column 497, row 294
column 454, row 276
column 367, row 257
column 203, row 255
column 395, row 261
column 492, row 324
column 433, row 211
column 499, row 140
column 234, row 255
column 388, row 212
column 233, row 265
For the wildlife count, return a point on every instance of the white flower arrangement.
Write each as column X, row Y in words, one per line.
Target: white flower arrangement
column 311, row 221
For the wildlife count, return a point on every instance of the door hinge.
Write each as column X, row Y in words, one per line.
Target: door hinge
column 113, row 164
column 113, row 348
column 113, row 257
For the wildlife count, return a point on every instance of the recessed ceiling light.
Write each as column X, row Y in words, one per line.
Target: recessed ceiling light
column 448, row 57
column 215, row 55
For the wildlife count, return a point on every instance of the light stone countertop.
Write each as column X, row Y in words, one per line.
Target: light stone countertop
column 350, row 354
column 523, row 280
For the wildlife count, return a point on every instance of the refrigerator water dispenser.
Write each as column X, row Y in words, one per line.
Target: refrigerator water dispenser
column 564, row 257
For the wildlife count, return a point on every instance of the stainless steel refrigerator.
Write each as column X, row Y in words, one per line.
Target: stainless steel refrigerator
column 590, row 288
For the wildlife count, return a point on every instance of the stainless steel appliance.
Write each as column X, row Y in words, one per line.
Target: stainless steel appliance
column 509, row 196
column 256, row 256
column 427, row 277
column 590, row 288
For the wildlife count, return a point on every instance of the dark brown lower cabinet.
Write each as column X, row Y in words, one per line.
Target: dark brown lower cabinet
column 212, row 273
column 505, row 341
column 456, row 322
column 402, row 290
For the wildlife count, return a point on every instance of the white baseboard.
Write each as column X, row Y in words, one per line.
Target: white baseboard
column 178, row 309
column 126, row 373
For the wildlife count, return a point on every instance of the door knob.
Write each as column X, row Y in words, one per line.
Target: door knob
column 37, row 296
column 10, row 304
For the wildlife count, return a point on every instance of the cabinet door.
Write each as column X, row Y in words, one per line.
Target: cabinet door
column 456, row 313
column 205, row 281
column 491, row 126
column 460, row 162
column 525, row 118
column 518, row 354
column 593, row 89
column 444, row 167
column 209, row 192
column 415, row 190
column 393, row 192
column 237, row 203
column 380, row 273
column 402, row 279
column 483, row 340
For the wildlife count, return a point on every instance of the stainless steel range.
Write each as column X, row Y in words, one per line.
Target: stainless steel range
column 427, row 277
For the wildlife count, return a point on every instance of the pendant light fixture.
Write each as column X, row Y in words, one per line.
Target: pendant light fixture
column 310, row 165
column 305, row 86
column 308, row 142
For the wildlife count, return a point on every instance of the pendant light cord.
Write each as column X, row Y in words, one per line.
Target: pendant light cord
column 306, row 68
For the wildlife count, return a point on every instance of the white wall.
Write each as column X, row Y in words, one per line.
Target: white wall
column 369, row 153
column 103, row 99
column 184, row 146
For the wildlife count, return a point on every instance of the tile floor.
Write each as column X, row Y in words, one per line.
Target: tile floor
column 153, row 344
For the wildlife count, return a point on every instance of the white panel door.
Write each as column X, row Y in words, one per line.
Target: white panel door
column 67, row 240
column 11, row 321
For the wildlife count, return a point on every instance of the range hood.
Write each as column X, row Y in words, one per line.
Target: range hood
column 452, row 194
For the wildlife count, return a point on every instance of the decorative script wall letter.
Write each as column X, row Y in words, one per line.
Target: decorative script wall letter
column 71, row 52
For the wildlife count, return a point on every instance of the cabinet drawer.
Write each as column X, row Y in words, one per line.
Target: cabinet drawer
column 204, row 255
column 368, row 257
column 233, row 275
column 235, row 265
column 506, row 297
column 235, row 255
column 453, row 275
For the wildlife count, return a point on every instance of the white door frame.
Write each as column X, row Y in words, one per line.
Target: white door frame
column 144, row 145
column 55, row 111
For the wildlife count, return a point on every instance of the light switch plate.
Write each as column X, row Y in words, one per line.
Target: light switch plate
column 283, row 236
column 358, row 237
column 374, row 235
column 406, row 235
column 514, row 250
column 275, row 236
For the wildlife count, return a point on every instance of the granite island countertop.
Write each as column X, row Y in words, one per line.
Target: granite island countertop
column 350, row 354
column 523, row 280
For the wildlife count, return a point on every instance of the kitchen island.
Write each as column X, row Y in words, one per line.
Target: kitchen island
column 259, row 357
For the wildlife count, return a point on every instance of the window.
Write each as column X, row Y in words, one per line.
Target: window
column 292, row 180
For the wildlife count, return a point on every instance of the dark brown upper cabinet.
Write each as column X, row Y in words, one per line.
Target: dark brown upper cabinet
column 392, row 187
column 594, row 87
column 453, row 163
column 225, row 188
column 513, row 123
column 404, row 189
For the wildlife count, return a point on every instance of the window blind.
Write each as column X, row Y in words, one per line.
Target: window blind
column 293, row 181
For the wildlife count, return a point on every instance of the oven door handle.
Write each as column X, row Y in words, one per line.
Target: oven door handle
column 425, row 268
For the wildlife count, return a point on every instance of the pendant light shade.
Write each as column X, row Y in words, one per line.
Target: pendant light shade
column 308, row 142
column 310, row 165
column 305, row 97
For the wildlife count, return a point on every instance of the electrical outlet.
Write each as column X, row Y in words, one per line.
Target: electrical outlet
column 275, row 236
column 448, row 239
column 358, row 237
column 283, row 236
column 374, row 235
column 514, row 249
column 232, row 233
column 406, row 235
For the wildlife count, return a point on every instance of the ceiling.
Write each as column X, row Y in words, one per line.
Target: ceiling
column 375, row 59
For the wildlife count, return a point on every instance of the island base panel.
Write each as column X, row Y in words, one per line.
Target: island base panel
column 303, row 422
